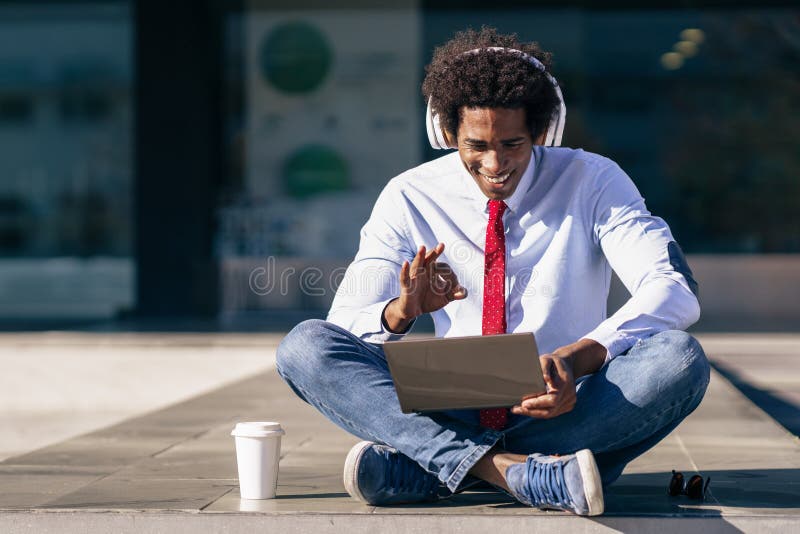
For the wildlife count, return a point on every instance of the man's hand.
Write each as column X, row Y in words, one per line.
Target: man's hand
column 425, row 286
column 559, row 369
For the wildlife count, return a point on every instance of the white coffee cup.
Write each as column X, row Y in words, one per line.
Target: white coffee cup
column 258, row 450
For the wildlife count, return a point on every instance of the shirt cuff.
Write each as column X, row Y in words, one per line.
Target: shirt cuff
column 615, row 341
column 378, row 331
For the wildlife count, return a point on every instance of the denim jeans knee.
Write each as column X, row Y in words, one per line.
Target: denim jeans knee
column 295, row 346
column 295, row 353
column 694, row 370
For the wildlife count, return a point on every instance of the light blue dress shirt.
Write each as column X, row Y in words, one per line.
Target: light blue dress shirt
column 573, row 218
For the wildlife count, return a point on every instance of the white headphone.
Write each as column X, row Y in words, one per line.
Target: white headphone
column 554, row 131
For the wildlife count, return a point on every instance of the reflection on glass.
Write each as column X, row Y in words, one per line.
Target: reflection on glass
column 331, row 104
column 671, row 60
column 699, row 109
column 65, row 159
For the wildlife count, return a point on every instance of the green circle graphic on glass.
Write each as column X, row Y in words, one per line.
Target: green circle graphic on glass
column 315, row 169
column 295, row 57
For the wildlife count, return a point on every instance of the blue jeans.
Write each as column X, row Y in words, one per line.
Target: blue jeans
column 622, row 410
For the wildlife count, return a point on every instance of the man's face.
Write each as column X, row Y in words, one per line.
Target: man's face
column 495, row 147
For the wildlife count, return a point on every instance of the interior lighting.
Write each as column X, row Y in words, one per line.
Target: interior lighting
column 671, row 60
column 696, row 35
column 686, row 48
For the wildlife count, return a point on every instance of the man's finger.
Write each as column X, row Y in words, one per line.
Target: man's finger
column 441, row 267
column 549, row 400
column 537, row 413
column 561, row 369
column 459, row 293
column 455, row 291
column 419, row 261
column 547, row 373
column 435, row 253
column 405, row 278
column 448, row 276
column 440, row 285
column 448, row 285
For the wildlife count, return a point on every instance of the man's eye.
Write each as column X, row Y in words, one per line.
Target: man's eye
column 513, row 145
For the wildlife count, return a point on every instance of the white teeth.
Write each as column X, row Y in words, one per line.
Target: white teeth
column 498, row 179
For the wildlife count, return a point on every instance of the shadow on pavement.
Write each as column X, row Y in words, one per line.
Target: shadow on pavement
column 785, row 413
column 729, row 488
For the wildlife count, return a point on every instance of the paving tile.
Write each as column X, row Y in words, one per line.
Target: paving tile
column 737, row 459
column 774, row 495
column 91, row 451
column 27, row 486
column 293, row 503
column 143, row 494
column 636, row 500
column 216, row 465
column 665, row 457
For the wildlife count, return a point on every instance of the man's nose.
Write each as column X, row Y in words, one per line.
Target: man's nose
column 492, row 162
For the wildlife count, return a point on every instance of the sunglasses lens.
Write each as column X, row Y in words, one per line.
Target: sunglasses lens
column 694, row 488
column 676, row 484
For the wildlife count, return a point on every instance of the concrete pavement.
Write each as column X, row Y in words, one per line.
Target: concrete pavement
column 174, row 469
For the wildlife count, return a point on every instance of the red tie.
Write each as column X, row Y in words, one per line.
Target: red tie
column 494, row 295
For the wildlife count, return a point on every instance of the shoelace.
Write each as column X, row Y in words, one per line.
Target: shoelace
column 409, row 477
column 546, row 484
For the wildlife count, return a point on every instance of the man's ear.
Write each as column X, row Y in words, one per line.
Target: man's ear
column 540, row 140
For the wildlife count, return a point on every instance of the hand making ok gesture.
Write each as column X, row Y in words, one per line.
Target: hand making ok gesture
column 425, row 286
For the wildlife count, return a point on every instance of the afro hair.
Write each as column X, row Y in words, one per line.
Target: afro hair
column 489, row 79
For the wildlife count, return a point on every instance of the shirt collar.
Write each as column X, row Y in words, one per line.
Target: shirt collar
column 514, row 201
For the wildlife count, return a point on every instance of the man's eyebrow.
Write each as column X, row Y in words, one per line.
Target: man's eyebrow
column 481, row 142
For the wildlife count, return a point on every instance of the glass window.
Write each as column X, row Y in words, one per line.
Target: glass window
column 65, row 160
column 700, row 107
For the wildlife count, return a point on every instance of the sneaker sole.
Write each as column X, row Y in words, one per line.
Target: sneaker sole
column 351, row 469
column 592, row 483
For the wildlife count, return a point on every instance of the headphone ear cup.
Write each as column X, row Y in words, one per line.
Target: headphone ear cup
column 430, row 127
column 440, row 136
column 436, row 136
column 555, row 129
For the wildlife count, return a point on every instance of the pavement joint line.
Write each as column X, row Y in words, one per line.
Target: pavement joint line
column 685, row 450
column 682, row 445
column 193, row 437
column 202, row 508
column 294, row 449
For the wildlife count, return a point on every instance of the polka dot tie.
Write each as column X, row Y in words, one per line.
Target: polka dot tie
column 494, row 295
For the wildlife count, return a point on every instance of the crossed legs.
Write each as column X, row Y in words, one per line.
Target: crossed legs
column 622, row 410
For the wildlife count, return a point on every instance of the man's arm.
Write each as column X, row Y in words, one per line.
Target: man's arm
column 640, row 248
column 372, row 279
column 388, row 286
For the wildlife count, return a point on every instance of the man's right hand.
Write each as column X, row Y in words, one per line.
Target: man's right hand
column 425, row 286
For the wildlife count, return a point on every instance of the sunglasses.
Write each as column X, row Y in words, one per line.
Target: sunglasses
column 693, row 488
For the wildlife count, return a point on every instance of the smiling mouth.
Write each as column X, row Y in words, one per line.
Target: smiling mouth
column 499, row 179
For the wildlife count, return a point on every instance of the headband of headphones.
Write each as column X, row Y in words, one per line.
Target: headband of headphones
column 554, row 130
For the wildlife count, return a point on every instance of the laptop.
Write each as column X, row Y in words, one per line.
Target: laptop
column 464, row 372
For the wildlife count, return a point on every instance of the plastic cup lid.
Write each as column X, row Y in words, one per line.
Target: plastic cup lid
column 257, row 429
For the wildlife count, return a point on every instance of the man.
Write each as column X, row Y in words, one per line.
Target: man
column 524, row 239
